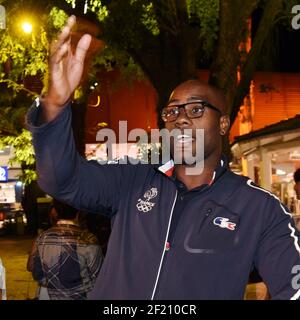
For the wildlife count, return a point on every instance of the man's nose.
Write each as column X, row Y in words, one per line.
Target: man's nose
column 182, row 120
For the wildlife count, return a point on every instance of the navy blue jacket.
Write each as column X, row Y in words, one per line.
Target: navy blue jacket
column 222, row 233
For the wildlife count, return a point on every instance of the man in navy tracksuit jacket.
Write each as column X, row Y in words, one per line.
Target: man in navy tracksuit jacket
column 174, row 236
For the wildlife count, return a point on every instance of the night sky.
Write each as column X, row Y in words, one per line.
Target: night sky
column 281, row 52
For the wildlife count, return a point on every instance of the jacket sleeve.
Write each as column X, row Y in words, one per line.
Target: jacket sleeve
column 278, row 254
column 64, row 174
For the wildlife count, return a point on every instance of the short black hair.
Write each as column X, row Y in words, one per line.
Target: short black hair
column 64, row 211
column 297, row 175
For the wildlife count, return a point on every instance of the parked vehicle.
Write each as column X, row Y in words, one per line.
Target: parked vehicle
column 11, row 221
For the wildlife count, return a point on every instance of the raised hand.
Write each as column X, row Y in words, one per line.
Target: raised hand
column 65, row 69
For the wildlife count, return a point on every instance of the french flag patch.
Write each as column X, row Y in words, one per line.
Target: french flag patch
column 167, row 168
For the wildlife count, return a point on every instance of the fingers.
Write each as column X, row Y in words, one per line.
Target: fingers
column 64, row 36
column 82, row 48
column 60, row 53
column 66, row 31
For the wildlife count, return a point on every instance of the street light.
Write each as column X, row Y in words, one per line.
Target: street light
column 27, row 27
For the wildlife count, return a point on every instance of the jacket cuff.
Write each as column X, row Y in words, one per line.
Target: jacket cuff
column 34, row 113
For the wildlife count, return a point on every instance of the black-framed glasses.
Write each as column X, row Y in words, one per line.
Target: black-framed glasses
column 194, row 109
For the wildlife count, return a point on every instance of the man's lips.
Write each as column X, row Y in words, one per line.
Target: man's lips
column 184, row 139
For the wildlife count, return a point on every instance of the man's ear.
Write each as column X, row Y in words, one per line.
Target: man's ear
column 224, row 124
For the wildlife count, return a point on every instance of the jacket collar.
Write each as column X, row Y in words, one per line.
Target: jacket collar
column 168, row 168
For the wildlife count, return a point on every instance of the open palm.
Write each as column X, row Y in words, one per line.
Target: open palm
column 66, row 67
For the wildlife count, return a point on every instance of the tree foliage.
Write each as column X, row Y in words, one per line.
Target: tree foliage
column 23, row 57
column 23, row 153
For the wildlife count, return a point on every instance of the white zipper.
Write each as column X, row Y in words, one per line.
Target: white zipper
column 163, row 253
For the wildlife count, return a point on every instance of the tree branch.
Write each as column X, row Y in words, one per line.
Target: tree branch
column 18, row 87
column 233, row 22
column 268, row 19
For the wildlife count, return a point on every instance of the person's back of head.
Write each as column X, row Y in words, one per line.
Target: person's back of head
column 64, row 211
column 297, row 183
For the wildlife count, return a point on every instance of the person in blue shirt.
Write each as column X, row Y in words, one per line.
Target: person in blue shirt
column 175, row 235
